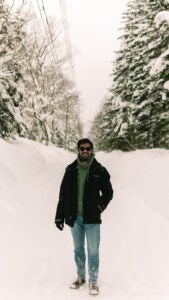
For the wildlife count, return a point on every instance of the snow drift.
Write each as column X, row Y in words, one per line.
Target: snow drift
column 36, row 260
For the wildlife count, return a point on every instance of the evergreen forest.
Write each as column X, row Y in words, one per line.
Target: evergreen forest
column 135, row 113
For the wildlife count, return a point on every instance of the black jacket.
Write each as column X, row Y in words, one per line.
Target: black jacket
column 97, row 194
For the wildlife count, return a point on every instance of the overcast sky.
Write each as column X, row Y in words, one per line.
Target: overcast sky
column 93, row 30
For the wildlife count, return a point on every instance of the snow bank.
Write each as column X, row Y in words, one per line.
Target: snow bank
column 36, row 261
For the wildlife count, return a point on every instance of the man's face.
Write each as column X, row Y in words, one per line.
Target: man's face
column 85, row 151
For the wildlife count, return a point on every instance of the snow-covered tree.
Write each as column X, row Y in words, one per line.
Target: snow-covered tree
column 140, row 103
column 51, row 101
column 37, row 98
column 102, row 124
column 11, row 76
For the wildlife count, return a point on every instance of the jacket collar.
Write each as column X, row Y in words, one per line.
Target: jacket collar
column 74, row 164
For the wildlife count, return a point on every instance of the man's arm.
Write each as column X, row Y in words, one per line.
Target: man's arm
column 59, row 217
column 106, row 190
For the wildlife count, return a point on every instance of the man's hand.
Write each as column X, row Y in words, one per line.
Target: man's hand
column 59, row 224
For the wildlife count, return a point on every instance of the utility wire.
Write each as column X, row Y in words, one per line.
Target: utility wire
column 56, row 59
column 66, row 31
column 48, row 33
column 69, row 51
column 50, row 40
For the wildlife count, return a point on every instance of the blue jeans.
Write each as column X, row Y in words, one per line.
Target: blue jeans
column 92, row 233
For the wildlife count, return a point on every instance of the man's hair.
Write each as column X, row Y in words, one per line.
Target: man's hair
column 84, row 141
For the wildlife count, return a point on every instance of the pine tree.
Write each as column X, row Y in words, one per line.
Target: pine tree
column 139, row 116
column 102, row 124
column 149, row 109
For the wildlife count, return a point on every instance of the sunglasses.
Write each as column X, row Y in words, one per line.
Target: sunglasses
column 85, row 148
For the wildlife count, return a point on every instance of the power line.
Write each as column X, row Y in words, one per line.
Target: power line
column 66, row 31
column 66, row 90
column 69, row 51
column 48, row 34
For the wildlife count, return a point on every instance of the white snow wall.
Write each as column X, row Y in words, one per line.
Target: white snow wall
column 35, row 256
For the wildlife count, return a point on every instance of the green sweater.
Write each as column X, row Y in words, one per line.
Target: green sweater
column 83, row 169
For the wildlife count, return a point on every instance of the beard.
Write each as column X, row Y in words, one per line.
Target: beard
column 87, row 158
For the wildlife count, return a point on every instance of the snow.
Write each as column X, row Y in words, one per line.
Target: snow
column 36, row 260
column 162, row 16
column 160, row 63
column 166, row 85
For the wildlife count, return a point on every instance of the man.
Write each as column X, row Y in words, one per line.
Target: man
column 84, row 194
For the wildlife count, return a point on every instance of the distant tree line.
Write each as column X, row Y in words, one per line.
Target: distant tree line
column 135, row 114
column 38, row 100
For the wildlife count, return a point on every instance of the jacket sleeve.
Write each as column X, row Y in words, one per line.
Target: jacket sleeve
column 60, row 206
column 105, row 189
